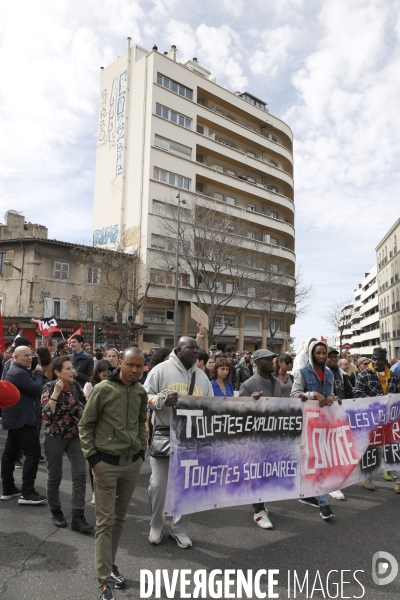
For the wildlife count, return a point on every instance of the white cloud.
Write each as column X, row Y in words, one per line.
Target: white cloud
column 272, row 60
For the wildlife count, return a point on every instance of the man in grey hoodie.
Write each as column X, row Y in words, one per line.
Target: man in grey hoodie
column 164, row 383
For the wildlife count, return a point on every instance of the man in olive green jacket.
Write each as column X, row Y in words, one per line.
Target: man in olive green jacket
column 113, row 438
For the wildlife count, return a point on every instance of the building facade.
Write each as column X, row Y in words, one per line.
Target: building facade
column 361, row 317
column 388, row 261
column 47, row 278
column 166, row 127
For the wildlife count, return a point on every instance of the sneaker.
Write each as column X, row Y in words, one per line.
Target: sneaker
column 181, row 539
column 42, row 459
column 387, row 475
column 325, row 512
column 397, row 488
column 155, row 536
column 107, row 593
column 16, row 492
column 338, row 495
column 33, row 498
column 262, row 520
column 367, row 483
column 93, row 499
column 18, row 464
column 79, row 523
column 117, row 578
column 309, row 501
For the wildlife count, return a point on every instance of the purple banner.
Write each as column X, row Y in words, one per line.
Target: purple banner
column 241, row 451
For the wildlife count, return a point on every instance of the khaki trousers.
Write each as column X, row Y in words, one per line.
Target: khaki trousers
column 113, row 487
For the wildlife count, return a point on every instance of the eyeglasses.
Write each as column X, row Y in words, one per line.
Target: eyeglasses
column 366, row 363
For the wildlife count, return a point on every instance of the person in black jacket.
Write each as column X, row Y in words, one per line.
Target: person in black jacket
column 23, row 424
column 81, row 360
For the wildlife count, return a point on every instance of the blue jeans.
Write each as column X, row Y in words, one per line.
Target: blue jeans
column 323, row 500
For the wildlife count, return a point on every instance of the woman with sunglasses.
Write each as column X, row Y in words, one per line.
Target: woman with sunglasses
column 284, row 364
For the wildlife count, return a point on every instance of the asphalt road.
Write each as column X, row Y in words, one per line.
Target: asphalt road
column 39, row 561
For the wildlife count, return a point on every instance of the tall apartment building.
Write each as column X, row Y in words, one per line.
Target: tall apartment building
column 165, row 126
column 388, row 260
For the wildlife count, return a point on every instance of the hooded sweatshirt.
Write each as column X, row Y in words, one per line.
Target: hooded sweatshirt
column 113, row 425
column 306, row 380
column 301, row 358
column 172, row 375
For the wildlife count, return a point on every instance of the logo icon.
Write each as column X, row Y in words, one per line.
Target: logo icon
column 384, row 568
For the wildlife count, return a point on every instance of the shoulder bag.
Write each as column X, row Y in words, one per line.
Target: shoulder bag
column 160, row 440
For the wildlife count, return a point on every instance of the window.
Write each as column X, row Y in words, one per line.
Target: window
column 162, row 243
column 61, row 270
column 251, row 291
column 171, row 178
column 275, row 325
column 173, row 116
column 274, row 241
column 200, row 158
column 175, row 87
column 229, row 290
column 93, row 275
column 159, row 208
column 219, row 168
column 200, row 129
column 172, row 146
column 251, row 207
column 55, row 307
column 251, row 180
column 250, row 235
column 252, row 154
column 231, row 201
column 200, row 188
column 218, row 196
column 2, row 259
column 253, row 323
column 230, row 172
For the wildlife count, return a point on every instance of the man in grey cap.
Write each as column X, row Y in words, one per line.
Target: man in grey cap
column 262, row 383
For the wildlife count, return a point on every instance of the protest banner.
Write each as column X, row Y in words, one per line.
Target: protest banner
column 229, row 452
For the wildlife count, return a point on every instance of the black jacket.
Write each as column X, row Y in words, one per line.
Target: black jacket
column 84, row 365
column 27, row 410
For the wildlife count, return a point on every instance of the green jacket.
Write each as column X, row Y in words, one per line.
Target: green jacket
column 113, row 425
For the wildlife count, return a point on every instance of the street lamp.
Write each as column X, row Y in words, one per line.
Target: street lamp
column 9, row 263
column 178, row 197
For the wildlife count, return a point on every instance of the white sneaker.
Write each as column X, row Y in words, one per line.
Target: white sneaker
column 338, row 495
column 155, row 536
column 93, row 499
column 262, row 520
column 181, row 539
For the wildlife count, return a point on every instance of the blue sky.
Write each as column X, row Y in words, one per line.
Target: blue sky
column 329, row 68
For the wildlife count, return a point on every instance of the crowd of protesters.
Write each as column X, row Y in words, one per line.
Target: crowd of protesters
column 107, row 407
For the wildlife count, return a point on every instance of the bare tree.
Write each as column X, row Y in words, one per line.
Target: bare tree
column 213, row 263
column 340, row 316
column 281, row 296
column 121, row 293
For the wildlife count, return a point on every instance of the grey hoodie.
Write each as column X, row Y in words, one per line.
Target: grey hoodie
column 298, row 381
column 172, row 375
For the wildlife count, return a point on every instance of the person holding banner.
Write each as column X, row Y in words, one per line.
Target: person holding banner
column 378, row 380
column 316, row 382
column 179, row 374
column 262, row 383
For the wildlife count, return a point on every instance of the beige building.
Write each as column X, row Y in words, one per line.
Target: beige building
column 45, row 278
column 388, row 260
column 165, row 126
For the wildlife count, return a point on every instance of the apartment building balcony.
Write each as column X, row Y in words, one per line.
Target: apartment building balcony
column 266, row 151
column 367, row 321
column 369, row 305
column 244, row 164
column 256, row 121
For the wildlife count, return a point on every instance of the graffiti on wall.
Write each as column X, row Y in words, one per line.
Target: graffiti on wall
column 107, row 125
column 130, row 237
column 121, row 122
column 107, row 235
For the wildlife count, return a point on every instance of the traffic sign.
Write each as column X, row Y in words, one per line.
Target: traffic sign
column 347, row 346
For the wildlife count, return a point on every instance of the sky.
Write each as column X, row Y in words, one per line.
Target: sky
column 329, row 68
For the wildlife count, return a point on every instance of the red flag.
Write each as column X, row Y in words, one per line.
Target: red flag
column 77, row 332
column 324, row 340
column 2, row 348
column 47, row 326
